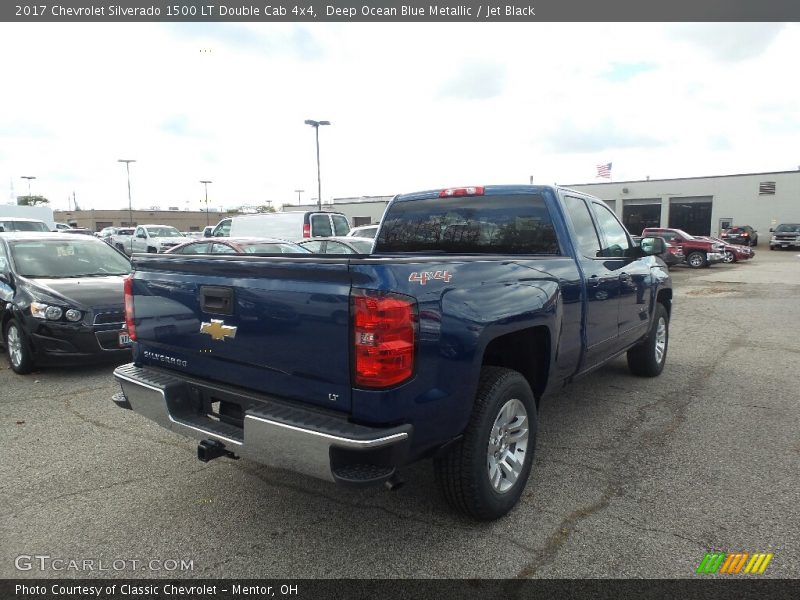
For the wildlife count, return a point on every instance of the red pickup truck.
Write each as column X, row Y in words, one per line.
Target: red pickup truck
column 699, row 252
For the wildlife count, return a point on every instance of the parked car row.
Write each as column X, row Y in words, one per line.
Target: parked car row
column 698, row 251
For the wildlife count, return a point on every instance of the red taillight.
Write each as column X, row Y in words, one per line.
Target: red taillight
column 384, row 334
column 745, row 234
column 129, row 307
column 306, row 230
column 462, row 191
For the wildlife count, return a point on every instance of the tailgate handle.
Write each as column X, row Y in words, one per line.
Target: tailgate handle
column 217, row 300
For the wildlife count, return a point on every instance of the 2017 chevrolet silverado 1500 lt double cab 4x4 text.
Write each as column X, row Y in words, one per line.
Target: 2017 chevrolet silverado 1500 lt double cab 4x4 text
column 475, row 302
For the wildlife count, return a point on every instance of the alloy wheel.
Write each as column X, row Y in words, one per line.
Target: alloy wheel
column 508, row 443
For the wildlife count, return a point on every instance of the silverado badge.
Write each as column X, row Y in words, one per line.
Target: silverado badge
column 218, row 330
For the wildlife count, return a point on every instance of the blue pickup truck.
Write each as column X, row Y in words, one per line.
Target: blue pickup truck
column 475, row 303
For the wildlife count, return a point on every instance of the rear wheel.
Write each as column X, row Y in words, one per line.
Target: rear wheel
column 647, row 358
column 730, row 257
column 484, row 474
column 696, row 260
column 20, row 357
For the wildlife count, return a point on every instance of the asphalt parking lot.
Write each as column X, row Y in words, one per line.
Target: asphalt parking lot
column 633, row 477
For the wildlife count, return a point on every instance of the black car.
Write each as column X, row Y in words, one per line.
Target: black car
column 740, row 234
column 61, row 300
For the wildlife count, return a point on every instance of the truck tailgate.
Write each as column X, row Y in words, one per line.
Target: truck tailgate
column 278, row 326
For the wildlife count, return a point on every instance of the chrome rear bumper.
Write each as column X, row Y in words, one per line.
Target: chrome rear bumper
column 273, row 432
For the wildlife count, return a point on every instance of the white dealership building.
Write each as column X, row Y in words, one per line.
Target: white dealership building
column 698, row 205
column 704, row 205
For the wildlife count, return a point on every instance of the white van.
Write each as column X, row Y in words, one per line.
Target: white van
column 284, row 225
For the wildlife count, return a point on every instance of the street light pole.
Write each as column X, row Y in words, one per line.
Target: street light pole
column 298, row 196
column 205, row 183
column 315, row 125
column 29, row 177
column 128, row 162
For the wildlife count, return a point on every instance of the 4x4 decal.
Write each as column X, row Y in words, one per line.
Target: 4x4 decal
column 424, row 276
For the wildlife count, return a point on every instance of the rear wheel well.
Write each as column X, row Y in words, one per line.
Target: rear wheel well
column 526, row 351
column 665, row 297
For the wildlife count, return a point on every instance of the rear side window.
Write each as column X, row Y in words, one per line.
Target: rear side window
column 512, row 224
column 585, row 232
column 321, row 226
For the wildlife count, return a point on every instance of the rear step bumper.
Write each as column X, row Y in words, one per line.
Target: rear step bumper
column 274, row 432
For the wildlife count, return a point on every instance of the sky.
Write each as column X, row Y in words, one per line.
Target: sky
column 412, row 106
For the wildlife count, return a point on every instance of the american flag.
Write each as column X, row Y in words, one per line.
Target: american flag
column 604, row 170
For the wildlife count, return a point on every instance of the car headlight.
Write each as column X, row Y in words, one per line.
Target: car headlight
column 53, row 313
column 73, row 315
column 40, row 310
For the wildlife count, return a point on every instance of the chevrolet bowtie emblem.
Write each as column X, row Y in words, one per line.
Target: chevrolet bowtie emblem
column 218, row 330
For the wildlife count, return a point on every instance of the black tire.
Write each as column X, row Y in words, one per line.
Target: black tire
column 18, row 349
column 463, row 473
column 696, row 260
column 643, row 359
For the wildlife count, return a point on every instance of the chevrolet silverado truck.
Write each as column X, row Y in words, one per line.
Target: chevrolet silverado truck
column 698, row 251
column 785, row 235
column 474, row 304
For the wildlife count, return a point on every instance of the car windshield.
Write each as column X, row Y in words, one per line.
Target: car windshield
column 24, row 226
column 60, row 259
column 164, row 232
column 788, row 228
column 272, row 248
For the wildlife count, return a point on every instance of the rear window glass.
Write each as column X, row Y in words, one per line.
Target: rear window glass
column 513, row 224
column 321, row 226
column 340, row 225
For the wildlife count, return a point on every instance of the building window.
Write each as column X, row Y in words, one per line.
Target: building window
column 766, row 188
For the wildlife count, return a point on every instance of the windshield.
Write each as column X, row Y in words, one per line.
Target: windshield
column 24, row 226
column 163, row 232
column 788, row 228
column 60, row 259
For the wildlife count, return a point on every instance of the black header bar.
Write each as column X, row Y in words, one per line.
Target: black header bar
column 444, row 11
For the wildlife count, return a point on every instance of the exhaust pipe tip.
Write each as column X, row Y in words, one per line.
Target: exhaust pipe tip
column 394, row 483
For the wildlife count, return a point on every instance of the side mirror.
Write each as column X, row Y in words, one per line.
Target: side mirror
column 771, row 229
column 207, row 233
column 652, row 246
column 2, row 229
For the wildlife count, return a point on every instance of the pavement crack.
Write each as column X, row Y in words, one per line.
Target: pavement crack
column 702, row 545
